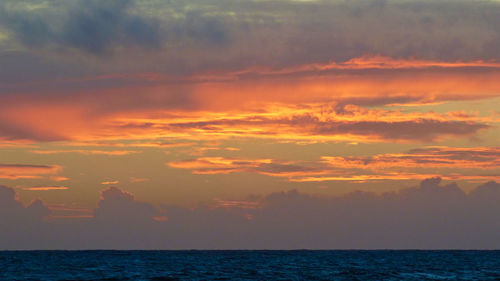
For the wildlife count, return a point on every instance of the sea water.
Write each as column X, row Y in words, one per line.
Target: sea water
column 250, row 265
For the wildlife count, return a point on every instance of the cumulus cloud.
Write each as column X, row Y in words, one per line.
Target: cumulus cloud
column 115, row 204
column 22, row 226
column 429, row 216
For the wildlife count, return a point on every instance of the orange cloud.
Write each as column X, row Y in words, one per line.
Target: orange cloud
column 59, row 178
column 432, row 157
column 222, row 165
column 467, row 164
column 45, row 188
column 32, row 120
column 88, row 152
column 15, row 144
column 110, row 182
column 267, row 106
column 314, row 122
column 367, row 62
column 134, row 179
column 23, row 171
column 198, row 151
column 397, row 176
column 217, row 165
column 145, row 143
column 363, row 89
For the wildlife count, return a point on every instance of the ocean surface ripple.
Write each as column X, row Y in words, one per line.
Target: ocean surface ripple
column 250, row 265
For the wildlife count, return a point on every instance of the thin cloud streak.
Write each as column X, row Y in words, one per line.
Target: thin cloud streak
column 88, row 152
column 110, row 182
column 26, row 171
column 221, row 165
column 397, row 177
column 432, row 157
column 45, row 188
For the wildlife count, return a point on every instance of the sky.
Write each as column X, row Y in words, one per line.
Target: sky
column 249, row 124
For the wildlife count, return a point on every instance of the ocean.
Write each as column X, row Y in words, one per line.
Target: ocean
column 250, row 265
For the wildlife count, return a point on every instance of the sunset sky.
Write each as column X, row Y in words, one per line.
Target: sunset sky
column 143, row 111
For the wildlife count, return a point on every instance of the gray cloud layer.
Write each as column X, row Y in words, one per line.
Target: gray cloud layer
column 90, row 26
column 191, row 36
column 429, row 216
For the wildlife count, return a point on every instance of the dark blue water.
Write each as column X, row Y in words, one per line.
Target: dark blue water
column 250, row 265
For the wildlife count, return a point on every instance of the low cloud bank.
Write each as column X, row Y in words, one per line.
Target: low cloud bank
column 431, row 216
